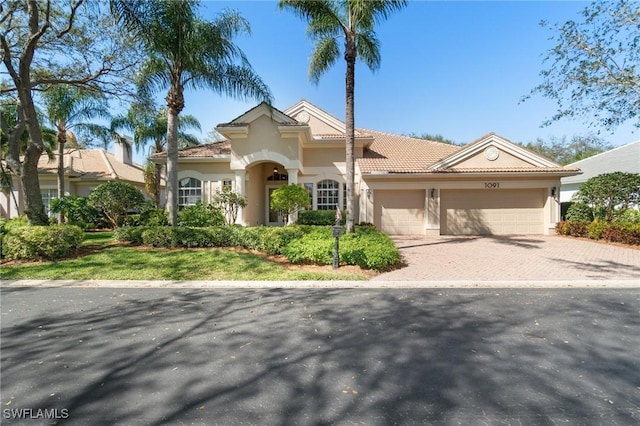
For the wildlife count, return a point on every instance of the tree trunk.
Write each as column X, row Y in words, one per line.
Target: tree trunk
column 158, row 180
column 34, row 208
column 175, row 102
column 61, row 141
column 28, row 170
column 350, row 56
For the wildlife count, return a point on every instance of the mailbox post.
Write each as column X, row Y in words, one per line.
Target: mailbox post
column 337, row 231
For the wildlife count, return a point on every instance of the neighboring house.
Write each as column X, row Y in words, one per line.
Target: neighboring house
column 624, row 158
column 84, row 170
column 403, row 185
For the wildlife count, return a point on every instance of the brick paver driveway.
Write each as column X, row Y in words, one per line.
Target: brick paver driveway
column 517, row 258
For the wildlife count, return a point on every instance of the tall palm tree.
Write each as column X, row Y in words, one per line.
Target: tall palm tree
column 149, row 127
column 69, row 109
column 353, row 20
column 186, row 51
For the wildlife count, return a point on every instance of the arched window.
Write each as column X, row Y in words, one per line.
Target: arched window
column 328, row 194
column 189, row 192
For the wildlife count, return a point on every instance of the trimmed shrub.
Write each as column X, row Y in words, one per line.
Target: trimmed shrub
column 579, row 212
column 149, row 215
column 201, row 214
column 319, row 217
column 628, row 216
column 274, row 239
column 115, row 199
column 595, row 228
column 77, row 211
column 622, row 233
column 366, row 248
column 316, row 246
column 131, row 234
column 626, row 233
column 369, row 249
column 42, row 242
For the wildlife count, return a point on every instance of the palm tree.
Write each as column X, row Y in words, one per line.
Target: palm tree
column 69, row 109
column 149, row 127
column 354, row 20
column 188, row 52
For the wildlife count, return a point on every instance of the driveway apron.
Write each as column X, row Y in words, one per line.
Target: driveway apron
column 512, row 258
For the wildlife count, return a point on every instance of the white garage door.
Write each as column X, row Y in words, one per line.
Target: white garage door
column 400, row 212
column 495, row 212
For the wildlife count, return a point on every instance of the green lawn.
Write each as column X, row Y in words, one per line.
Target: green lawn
column 105, row 261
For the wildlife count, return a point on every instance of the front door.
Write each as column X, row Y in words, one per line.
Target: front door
column 274, row 217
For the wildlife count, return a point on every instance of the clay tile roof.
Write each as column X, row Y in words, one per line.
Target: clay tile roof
column 93, row 164
column 402, row 154
column 204, row 150
column 507, row 170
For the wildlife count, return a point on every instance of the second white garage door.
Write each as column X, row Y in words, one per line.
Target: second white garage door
column 400, row 212
column 495, row 212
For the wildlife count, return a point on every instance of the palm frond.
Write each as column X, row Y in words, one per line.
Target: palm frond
column 368, row 48
column 325, row 54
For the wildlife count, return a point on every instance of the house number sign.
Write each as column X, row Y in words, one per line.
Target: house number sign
column 492, row 185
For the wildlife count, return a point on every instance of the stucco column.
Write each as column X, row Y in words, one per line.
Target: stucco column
column 293, row 180
column 240, row 189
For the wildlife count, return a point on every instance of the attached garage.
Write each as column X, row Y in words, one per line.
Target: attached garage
column 492, row 212
column 399, row 212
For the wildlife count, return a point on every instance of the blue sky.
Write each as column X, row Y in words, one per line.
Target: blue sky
column 453, row 68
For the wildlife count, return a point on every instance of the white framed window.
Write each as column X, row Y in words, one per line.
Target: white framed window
column 327, row 194
column 189, row 192
column 227, row 185
column 48, row 194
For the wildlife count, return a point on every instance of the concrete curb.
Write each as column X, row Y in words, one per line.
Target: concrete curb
column 324, row 284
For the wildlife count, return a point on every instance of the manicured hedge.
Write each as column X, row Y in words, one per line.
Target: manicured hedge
column 319, row 217
column 41, row 242
column 626, row 233
column 366, row 247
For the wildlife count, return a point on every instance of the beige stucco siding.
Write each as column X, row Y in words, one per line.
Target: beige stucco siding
column 206, row 168
column 399, row 212
column 495, row 212
column 320, row 127
column 322, row 157
column 264, row 135
column 480, row 161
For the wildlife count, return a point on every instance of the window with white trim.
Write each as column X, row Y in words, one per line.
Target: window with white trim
column 48, row 194
column 327, row 194
column 189, row 192
column 227, row 185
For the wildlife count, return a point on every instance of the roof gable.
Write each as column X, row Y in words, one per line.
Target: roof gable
column 258, row 111
column 493, row 152
column 322, row 123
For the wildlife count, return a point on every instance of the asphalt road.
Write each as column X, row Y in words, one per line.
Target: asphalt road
column 104, row 356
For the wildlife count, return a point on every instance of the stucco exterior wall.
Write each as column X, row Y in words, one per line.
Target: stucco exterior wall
column 264, row 135
column 504, row 159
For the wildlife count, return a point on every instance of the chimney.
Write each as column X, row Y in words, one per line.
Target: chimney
column 123, row 152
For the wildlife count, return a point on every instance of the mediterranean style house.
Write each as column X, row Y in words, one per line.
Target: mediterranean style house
column 403, row 185
column 84, row 170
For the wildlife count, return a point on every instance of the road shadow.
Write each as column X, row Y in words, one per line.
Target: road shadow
column 330, row 356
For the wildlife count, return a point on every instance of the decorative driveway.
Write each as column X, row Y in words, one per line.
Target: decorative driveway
column 512, row 258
